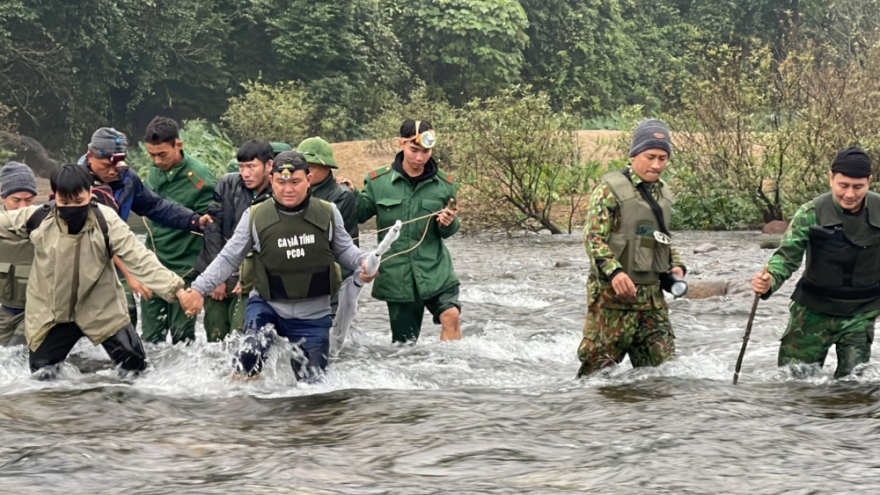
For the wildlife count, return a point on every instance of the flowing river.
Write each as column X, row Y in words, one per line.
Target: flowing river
column 497, row 412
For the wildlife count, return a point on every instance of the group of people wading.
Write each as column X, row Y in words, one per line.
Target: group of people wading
column 265, row 246
column 264, row 249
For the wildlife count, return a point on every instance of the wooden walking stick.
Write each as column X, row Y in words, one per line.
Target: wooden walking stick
column 742, row 352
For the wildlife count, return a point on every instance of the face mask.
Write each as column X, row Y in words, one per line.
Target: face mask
column 75, row 216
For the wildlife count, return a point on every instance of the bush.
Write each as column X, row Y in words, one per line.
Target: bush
column 520, row 159
column 271, row 113
column 201, row 140
column 763, row 133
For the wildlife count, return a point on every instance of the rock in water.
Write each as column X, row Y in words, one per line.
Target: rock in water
column 770, row 244
column 705, row 248
column 562, row 264
column 775, row 227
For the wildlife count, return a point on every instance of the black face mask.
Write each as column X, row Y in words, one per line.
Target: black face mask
column 75, row 216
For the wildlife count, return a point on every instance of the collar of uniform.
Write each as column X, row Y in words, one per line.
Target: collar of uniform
column 397, row 172
column 330, row 181
column 636, row 180
column 180, row 166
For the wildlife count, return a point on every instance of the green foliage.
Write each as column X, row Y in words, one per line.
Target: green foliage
column 468, row 48
column 622, row 119
column 764, row 131
column 279, row 112
column 520, row 159
column 201, row 140
column 347, row 57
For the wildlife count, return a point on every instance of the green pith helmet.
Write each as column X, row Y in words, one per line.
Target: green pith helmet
column 232, row 166
column 317, row 152
column 278, row 147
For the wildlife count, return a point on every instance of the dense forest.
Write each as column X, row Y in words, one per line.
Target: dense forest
column 69, row 67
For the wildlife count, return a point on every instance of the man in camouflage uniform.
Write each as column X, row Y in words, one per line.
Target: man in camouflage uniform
column 838, row 297
column 628, row 243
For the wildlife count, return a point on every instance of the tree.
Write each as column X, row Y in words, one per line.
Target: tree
column 466, row 48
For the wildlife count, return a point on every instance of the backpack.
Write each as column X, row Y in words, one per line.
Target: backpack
column 36, row 219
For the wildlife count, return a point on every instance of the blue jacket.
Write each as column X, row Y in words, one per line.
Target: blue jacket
column 132, row 196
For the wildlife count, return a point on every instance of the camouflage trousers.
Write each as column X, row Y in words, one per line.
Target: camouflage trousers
column 809, row 336
column 611, row 334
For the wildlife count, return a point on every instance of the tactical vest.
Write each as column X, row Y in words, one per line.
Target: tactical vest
column 296, row 258
column 14, row 276
column 634, row 246
column 842, row 276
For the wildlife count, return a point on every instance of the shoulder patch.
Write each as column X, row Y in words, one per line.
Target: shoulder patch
column 380, row 172
column 195, row 179
column 443, row 175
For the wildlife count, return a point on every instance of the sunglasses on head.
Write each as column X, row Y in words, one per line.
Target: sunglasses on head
column 114, row 157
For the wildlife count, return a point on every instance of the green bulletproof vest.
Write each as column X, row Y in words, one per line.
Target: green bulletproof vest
column 15, row 268
column 14, row 272
column 296, row 254
column 634, row 246
column 842, row 275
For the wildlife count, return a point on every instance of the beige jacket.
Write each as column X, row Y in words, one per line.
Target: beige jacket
column 73, row 278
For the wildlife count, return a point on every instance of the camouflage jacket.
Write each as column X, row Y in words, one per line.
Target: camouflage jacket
column 603, row 217
column 788, row 257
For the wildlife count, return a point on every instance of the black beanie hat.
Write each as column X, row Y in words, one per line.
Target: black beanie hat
column 852, row 162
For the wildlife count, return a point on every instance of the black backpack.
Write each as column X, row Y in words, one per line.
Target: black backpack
column 36, row 219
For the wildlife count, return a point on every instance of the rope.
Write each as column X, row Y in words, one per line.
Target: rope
column 427, row 224
column 424, row 233
column 401, row 223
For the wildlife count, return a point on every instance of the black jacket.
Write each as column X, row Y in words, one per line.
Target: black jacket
column 231, row 199
column 343, row 198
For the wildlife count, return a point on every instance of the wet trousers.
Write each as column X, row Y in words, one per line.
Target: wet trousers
column 809, row 336
column 11, row 326
column 406, row 318
column 312, row 337
column 124, row 348
column 611, row 334
column 161, row 317
column 222, row 317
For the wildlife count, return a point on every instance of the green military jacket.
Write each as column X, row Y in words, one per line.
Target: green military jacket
column 190, row 183
column 390, row 196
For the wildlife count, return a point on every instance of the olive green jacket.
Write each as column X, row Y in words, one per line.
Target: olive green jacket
column 389, row 196
column 191, row 184
column 85, row 288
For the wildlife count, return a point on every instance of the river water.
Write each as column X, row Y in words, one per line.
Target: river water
column 497, row 412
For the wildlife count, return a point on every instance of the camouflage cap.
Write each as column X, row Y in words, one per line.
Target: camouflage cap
column 317, row 152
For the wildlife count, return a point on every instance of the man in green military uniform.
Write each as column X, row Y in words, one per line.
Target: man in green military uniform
column 233, row 195
column 837, row 299
column 422, row 275
column 18, row 188
column 319, row 154
column 178, row 177
column 627, row 239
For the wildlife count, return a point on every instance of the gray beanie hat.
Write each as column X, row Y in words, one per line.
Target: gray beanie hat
column 16, row 177
column 650, row 134
column 107, row 141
